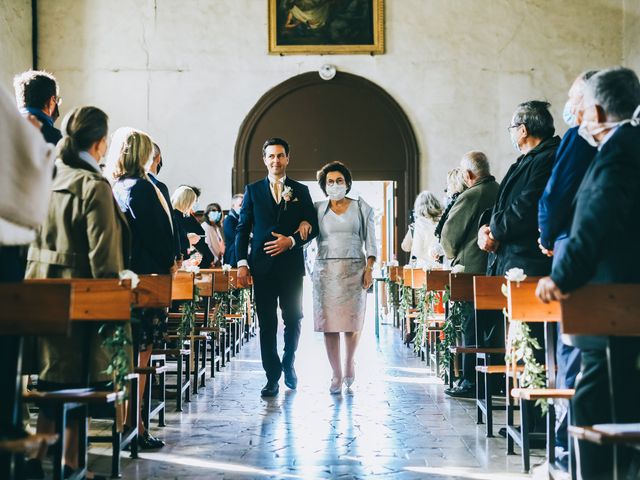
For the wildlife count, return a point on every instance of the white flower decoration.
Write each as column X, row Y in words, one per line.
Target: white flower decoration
column 458, row 269
column 393, row 263
column 287, row 193
column 129, row 275
column 191, row 268
column 515, row 275
column 226, row 268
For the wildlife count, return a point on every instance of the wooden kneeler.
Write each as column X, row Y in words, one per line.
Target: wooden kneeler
column 610, row 310
column 21, row 316
column 487, row 296
column 101, row 301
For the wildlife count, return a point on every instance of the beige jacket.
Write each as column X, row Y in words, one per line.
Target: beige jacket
column 83, row 236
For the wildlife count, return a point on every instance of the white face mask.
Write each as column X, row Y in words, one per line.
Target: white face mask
column 514, row 142
column 568, row 116
column 588, row 130
column 336, row 192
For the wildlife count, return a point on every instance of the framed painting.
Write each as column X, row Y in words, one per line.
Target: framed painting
column 326, row 26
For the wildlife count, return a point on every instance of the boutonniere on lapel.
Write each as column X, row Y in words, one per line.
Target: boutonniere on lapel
column 287, row 195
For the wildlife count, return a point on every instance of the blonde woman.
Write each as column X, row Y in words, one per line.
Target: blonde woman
column 427, row 211
column 190, row 232
column 152, row 248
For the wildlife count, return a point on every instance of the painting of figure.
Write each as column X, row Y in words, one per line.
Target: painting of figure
column 326, row 26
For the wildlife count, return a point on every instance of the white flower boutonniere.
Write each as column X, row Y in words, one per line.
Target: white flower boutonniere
column 129, row 275
column 287, row 195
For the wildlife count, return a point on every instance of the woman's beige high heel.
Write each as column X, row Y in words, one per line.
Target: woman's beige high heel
column 336, row 386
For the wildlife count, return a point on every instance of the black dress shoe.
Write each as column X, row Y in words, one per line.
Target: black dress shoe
column 290, row 378
column 271, row 389
column 146, row 441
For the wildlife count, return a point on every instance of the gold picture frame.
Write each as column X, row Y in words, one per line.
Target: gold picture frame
column 319, row 27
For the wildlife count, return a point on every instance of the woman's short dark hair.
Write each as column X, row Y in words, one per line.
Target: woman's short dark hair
column 334, row 167
column 275, row 141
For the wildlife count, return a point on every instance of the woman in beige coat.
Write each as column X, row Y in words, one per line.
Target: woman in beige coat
column 83, row 236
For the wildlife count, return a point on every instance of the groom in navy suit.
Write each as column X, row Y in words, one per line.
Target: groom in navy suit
column 280, row 214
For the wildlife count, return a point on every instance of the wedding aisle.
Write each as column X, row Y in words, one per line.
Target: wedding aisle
column 396, row 424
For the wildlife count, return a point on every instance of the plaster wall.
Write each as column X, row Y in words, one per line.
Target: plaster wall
column 631, row 34
column 15, row 40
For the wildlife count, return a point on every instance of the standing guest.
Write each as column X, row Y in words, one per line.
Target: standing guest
column 427, row 211
column 37, row 93
column 149, row 218
column 153, row 170
column 84, row 236
column 602, row 248
column 455, row 186
column 459, row 241
column 229, row 226
column 190, row 231
column 214, row 236
column 278, row 211
column 555, row 212
column 343, row 269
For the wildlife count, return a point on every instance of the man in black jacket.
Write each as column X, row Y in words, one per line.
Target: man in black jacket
column 37, row 93
column 602, row 248
column 229, row 227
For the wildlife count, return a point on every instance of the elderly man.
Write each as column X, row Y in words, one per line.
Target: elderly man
column 602, row 247
column 459, row 235
column 555, row 212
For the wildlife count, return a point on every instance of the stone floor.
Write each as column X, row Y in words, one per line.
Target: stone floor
column 395, row 424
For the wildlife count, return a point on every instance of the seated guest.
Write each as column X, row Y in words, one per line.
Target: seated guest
column 84, row 236
column 214, row 236
column 602, row 248
column 37, row 93
column 190, row 231
column 459, row 241
column 427, row 210
column 555, row 212
column 230, row 223
column 153, row 170
column 149, row 218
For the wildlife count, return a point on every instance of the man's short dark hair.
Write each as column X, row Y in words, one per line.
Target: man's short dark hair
column 617, row 91
column 34, row 88
column 334, row 167
column 535, row 115
column 275, row 141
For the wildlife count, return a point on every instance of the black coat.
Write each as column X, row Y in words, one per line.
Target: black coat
column 229, row 227
column 151, row 234
column 603, row 243
column 514, row 218
column 261, row 215
column 165, row 193
column 190, row 224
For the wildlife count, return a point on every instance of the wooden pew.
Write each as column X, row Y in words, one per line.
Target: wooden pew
column 487, row 296
column 436, row 281
column 610, row 310
column 21, row 316
column 101, row 301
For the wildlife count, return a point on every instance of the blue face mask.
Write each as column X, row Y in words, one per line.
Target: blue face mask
column 568, row 116
column 214, row 217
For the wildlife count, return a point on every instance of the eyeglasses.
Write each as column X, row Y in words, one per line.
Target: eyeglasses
column 513, row 126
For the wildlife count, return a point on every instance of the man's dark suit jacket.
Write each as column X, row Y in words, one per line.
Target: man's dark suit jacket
column 151, row 235
column 229, row 227
column 165, row 193
column 261, row 215
column 514, row 218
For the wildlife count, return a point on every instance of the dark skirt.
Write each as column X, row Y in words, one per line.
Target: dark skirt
column 149, row 326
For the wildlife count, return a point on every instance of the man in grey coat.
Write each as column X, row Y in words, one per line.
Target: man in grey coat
column 459, row 241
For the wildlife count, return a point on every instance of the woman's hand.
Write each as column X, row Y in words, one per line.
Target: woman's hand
column 193, row 238
column 367, row 278
column 304, row 229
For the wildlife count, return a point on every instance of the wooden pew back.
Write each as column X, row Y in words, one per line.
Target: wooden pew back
column 153, row 291
column 607, row 309
column 437, row 280
column 414, row 277
column 487, row 293
column 204, row 281
column 31, row 309
column 461, row 287
column 524, row 306
column 182, row 286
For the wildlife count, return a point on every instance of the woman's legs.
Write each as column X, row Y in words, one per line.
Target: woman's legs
column 332, row 344
column 351, row 340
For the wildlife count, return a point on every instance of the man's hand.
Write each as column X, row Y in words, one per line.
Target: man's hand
column 486, row 242
column 547, row 291
column 304, row 229
column 243, row 276
column 279, row 245
column 548, row 253
column 193, row 238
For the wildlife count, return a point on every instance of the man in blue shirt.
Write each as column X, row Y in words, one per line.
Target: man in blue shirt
column 37, row 93
column 555, row 213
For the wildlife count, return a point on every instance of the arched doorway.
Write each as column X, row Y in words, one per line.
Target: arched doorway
column 348, row 118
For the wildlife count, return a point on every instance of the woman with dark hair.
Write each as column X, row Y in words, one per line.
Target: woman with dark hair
column 214, row 234
column 83, row 236
column 149, row 217
column 343, row 269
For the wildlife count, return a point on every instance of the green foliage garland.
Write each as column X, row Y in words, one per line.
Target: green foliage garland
column 115, row 341
column 188, row 319
column 451, row 328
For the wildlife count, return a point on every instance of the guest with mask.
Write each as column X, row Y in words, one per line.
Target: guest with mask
column 37, row 93
column 343, row 269
column 190, row 231
column 555, row 213
column 229, row 225
column 214, row 236
column 602, row 248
